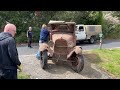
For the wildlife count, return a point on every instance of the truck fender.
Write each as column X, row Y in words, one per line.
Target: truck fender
column 45, row 46
column 76, row 51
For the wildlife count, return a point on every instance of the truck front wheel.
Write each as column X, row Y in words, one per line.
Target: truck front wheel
column 78, row 63
column 44, row 59
column 91, row 40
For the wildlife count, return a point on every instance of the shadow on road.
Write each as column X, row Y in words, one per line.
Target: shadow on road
column 90, row 70
column 59, row 68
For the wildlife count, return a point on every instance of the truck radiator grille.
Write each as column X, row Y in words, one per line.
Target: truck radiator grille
column 61, row 46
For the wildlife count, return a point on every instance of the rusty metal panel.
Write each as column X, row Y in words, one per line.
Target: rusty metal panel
column 61, row 46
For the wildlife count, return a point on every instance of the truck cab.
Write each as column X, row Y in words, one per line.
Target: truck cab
column 80, row 32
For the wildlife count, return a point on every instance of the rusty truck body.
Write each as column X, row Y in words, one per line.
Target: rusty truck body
column 62, row 45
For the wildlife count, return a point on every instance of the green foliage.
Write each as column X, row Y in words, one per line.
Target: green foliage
column 24, row 19
column 36, row 34
column 80, row 17
column 22, row 75
column 115, row 32
column 111, row 27
column 21, row 38
column 116, row 14
column 105, row 28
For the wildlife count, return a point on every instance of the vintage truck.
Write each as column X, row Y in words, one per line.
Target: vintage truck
column 88, row 33
column 62, row 46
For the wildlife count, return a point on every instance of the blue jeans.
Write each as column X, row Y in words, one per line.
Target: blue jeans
column 38, row 52
column 38, row 55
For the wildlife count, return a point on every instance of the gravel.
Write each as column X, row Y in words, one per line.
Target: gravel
column 32, row 67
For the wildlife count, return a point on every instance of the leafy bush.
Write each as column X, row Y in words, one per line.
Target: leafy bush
column 21, row 38
column 24, row 19
column 36, row 34
column 111, row 25
column 114, row 34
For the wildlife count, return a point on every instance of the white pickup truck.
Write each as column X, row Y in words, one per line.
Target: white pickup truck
column 88, row 32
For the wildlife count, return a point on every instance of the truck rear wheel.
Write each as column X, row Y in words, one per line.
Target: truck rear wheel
column 91, row 40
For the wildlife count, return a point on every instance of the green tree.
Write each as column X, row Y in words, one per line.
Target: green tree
column 24, row 19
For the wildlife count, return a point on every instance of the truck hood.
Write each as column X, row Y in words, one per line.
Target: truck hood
column 67, row 37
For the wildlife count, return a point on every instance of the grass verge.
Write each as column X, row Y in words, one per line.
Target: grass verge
column 22, row 75
column 106, row 59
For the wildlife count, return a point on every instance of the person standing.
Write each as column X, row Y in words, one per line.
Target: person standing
column 29, row 36
column 44, row 34
column 9, row 61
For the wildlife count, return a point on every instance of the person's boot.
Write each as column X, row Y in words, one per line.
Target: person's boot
column 28, row 45
column 31, row 47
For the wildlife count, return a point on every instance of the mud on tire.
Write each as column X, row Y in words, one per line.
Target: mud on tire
column 79, row 64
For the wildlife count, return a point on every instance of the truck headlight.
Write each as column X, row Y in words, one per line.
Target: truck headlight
column 70, row 44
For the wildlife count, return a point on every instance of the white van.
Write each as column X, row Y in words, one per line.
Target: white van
column 88, row 32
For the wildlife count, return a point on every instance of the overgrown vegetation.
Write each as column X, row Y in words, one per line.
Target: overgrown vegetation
column 24, row 19
column 111, row 26
column 106, row 59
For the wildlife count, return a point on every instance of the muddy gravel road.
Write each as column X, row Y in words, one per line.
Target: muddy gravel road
column 32, row 67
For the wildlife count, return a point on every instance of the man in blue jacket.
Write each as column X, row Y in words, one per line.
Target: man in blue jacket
column 9, row 61
column 43, row 38
column 44, row 34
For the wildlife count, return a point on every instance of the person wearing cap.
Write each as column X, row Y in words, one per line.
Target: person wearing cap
column 29, row 36
column 9, row 61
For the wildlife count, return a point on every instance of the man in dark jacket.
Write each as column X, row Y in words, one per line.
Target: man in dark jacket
column 29, row 36
column 9, row 61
